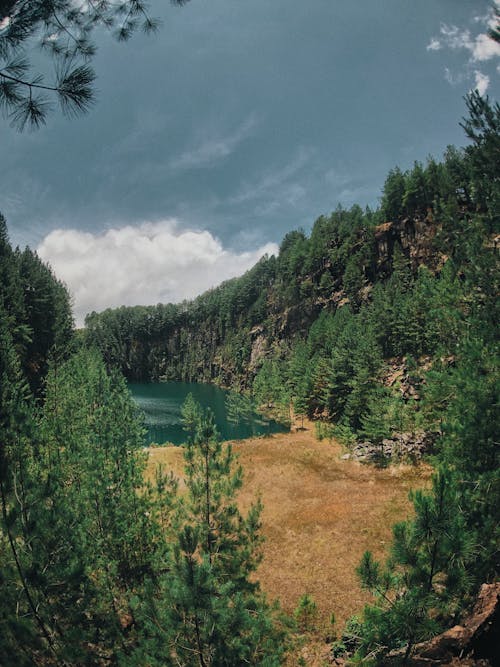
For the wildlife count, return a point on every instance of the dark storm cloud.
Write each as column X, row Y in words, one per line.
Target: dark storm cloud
column 249, row 119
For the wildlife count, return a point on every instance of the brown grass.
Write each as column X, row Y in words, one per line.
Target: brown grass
column 320, row 514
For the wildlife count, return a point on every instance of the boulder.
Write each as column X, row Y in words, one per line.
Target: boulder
column 474, row 643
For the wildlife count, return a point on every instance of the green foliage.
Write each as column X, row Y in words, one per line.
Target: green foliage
column 206, row 610
column 76, row 523
column 416, row 197
column 270, row 390
column 323, row 430
column 298, row 379
column 426, row 579
column 392, row 195
column 240, row 409
column 375, row 424
column 191, row 415
column 38, row 310
column 482, row 127
column 439, row 558
column 16, row 425
column 462, row 400
column 92, row 556
column 350, row 639
column 63, row 31
column 344, row 434
column 306, row 613
column 96, row 565
column 353, row 279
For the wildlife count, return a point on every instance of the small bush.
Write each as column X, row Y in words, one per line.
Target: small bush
column 306, row 613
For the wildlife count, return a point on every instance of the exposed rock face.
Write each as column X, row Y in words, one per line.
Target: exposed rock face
column 402, row 446
column 259, row 347
column 476, row 642
column 398, row 374
column 415, row 235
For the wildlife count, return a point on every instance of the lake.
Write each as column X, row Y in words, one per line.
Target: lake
column 161, row 403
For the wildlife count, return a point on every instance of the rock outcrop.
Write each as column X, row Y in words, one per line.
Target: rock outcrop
column 400, row 447
column 414, row 235
column 475, row 642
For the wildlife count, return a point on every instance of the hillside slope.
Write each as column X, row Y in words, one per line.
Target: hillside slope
column 320, row 325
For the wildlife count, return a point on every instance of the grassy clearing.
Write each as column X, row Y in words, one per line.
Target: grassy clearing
column 320, row 514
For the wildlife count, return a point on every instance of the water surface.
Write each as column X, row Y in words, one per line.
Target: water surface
column 161, row 403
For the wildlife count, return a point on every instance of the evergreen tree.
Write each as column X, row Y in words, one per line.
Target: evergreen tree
column 270, row 389
column 299, row 380
column 93, row 465
column 425, row 581
column 240, row 409
column 462, row 401
column 11, row 293
column 353, row 280
column 64, row 32
column 375, row 421
column 416, row 198
column 48, row 315
column 206, row 610
column 23, row 629
column 80, row 524
column 392, row 195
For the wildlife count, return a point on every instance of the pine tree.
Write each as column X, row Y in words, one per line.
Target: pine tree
column 48, row 315
column 64, row 32
column 23, row 628
column 240, row 410
column 426, row 579
column 462, row 402
column 393, row 193
column 206, row 610
column 299, row 379
column 375, row 421
column 76, row 516
column 101, row 513
column 270, row 389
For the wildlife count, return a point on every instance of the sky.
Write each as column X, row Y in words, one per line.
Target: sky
column 236, row 123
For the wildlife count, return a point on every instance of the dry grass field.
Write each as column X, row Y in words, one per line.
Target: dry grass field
column 320, row 514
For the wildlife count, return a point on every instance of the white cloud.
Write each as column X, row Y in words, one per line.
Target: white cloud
column 484, row 48
column 145, row 264
column 480, row 47
column 434, row 45
column 209, row 150
column 454, row 38
column 482, row 81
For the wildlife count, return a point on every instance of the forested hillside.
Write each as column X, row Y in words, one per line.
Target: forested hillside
column 382, row 324
column 379, row 323
column 97, row 566
column 367, row 293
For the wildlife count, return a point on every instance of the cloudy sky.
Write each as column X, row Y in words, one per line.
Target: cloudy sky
column 236, row 123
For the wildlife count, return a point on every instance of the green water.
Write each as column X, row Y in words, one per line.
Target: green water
column 161, row 403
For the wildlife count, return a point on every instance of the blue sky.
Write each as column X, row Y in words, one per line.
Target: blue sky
column 236, row 123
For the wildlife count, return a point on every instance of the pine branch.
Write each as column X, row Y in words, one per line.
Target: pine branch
column 63, row 29
column 73, row 87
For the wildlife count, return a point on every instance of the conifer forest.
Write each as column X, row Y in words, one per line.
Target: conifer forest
column 101, row 567
column 378, row 329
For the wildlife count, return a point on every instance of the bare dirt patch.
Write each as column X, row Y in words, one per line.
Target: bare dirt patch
column 320, row 514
